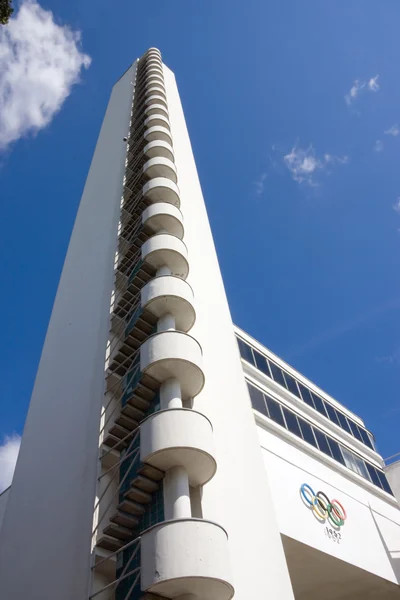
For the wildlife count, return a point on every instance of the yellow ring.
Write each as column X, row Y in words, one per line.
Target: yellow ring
column 316, row 503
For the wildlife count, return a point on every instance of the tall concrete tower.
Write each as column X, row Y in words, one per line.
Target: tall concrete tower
column 140, row 474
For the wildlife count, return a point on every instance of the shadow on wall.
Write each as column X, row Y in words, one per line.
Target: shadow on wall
column 393, row 555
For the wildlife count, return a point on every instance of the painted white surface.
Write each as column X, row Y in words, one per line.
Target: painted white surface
column 171, row 562
column 168, row 294
column 393, row 474
column 163, row 216
column 165, row 249
column 370, row 537
column 45, row 545
column 3, row 504
column 238, row 496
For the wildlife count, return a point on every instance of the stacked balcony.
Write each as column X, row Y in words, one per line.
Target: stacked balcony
column 154, row 448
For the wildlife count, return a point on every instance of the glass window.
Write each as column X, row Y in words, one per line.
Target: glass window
column 332, row 413
column 343, row 421
column 355, row 463
column 319, row 404
column 275, row 412
column 245, row 351
column 384, row 482
column 373, row 474
column 306, row 395
column 354, row 430
column 372, row 440
column 257, row 399
column 277, row 374
column 291, row 421
column 335, row 449
column 261, row 363
column 291, row 384
column 365, row 437
column 307, row 431
column 322, row 442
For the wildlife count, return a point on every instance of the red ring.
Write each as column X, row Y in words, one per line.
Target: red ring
column 342, row 516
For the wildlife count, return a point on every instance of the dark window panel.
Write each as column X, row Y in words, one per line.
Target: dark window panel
column 319, row 404
column 336, row 451
column 275, row 412
column 332, row 414
column 322, row 442
column 372, row 440
column 257, row 399
column 307, row 431
column 306, row 395
column 354, row 430
column 291, row 421
column 365, row 437
column 384, row 482
column 343, row 421
column 373, row 474
column 277, row 374
column 291, row 384
column 261, row 363
column 245, row 351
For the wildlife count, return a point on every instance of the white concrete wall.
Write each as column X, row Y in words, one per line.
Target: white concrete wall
column 370, row 537
column 3, row 504
column 45, row 542
column 238, row 497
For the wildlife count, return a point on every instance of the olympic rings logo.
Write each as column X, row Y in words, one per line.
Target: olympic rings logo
column 322, row 507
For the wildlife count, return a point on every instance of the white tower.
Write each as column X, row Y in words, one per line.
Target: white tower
column 171, row 500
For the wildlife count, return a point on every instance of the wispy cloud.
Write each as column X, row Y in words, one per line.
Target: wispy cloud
column 8, row 458
column 40, row 61
column 378, row 146
column 260, row 183
column 358, row 87
column 394, row 130
column 396, row 205
column 303, row 163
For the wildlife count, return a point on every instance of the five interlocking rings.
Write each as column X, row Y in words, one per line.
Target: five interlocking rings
column 323, row 507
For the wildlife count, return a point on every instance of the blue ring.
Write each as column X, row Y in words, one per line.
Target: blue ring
column 306, row 486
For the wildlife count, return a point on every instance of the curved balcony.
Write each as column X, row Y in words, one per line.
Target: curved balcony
column 163, row 249
column 166, row 294
column 155, row 109
column 179, row 437
column 162, row 216
column 157, row 120
column 173, row 354
column 186, row 556
column 156, row 99
column 160, row 167
column 161, row 189
column 158, row 133
column 155, row 89
column 159, row 148
column 153, row 61
column 154, row 77
column 153, row 54
column 155, row 70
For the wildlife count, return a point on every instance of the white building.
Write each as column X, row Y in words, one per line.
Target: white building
column 142, row 471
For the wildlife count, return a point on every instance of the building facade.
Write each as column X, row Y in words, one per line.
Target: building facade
column 167, row 454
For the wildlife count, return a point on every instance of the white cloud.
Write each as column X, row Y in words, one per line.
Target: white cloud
column 303, row 163
column 40, row 61
column 396, row 205
column 8, row 458
column 260, row 184
column 394, row 130
column 378, row 146
column 358, row 86
column 373, row 84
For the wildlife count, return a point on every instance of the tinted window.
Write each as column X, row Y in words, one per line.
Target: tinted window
column 261, row 363
column 277, row 374
column 332, row 413
column 275, row 411
column 335, row 449
column 307, row 431
column 305, row 393
column 365, row 437
column 257, row 400
column 384, row 481
column 322, row 442
column 245, row 351
column 373, row 474
column 354, row 430
column 291, row 422
column 343, row 421
column 319, row 404
column 291, row 385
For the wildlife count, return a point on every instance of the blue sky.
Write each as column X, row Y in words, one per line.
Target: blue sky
column 292, row 109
